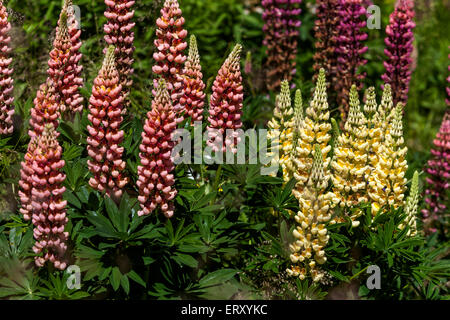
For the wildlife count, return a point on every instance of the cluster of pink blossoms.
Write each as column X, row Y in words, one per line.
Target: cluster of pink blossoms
column 41, row 195
column 399, row 47
column 156, row 180
column 169, row 56
column 63, row 68
column 438, row 180
column 45, row 109
column 6, row 82
column 118, row 32
column 226, row 104
column 194, row 95
column 105, row 116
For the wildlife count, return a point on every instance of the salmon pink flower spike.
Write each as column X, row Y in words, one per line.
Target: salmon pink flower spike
column 118, row 32
column 350, row 48
column 194, row 95
column 6, row 82
column 281, row 31
column 399, row 47
column 46, row 109
column 63, row 69
column 226, row 104
column 438, row 179
column 170, row 46
column 41, row 195
column 105, row 116
column 156, row 180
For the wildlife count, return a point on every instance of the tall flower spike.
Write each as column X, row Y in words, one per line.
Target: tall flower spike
column 72, row 79
column 42, row 198
column 326, row 33
column 399, row 47
column 315, row 129
column 194, row 95
column 387, row 183
column 45, row 110
column 118, row 32
column 373, row 127
column 105, row 116
column 351, row 159
column 281, row 31
column 307, row 251
column 6, row 83
column 60, row 69
column 350, row 48
column 169, row 56
column 226, row 104
column 438, row 178
column 411, row 206
column 156, row 180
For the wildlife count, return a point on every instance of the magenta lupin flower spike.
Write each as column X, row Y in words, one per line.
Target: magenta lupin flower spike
column 169, row 56
column 350, row 49
column 105, row 136
column 156, row 180
column 194, row 95
column 399, row 47
column 281, row 31
column 118, row 32
column 41, row 194
column 226, row 104
column 438, row 180
column 6, row 82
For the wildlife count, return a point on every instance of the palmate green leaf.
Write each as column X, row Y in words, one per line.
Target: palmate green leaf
column 136, row 278
column 217, row 277
column 185, row 259
column 125, row 283
column 103, row 226
column 115, row 278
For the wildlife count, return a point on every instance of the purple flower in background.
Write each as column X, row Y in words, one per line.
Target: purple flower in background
column 438, row 180
column 281, row 33
column 349, row 50
column 399, row 47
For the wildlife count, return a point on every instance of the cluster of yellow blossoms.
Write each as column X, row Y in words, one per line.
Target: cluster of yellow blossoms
column 367, row 164
column 310, row 233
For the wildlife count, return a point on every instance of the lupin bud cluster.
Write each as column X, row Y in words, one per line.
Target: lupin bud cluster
column 156, row 180
column 281, row 31
column 105, row 136
column 315, row 129
column 46, row 109
column 411, row 206
column 63, row 68
column 6, row 82
column 307, row 251
column 170, row 46
column 41, row 194
column 350, row 161
column 326, row 33
column 387, row 183
column 226, row 104
column 438, row 179
column 118, row 32
column 399, row 47
column 350, row 49
column 194, row 95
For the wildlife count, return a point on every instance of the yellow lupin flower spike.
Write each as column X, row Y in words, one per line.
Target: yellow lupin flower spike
column 307, row 251
column 387, row 182
column 315, row 129
column 350, row 160
column 411, row 206
column 282, row 127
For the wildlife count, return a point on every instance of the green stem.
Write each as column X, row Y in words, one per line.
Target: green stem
column 216, row 182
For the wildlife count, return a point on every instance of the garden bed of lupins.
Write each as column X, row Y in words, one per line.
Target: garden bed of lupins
column 190, row 149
